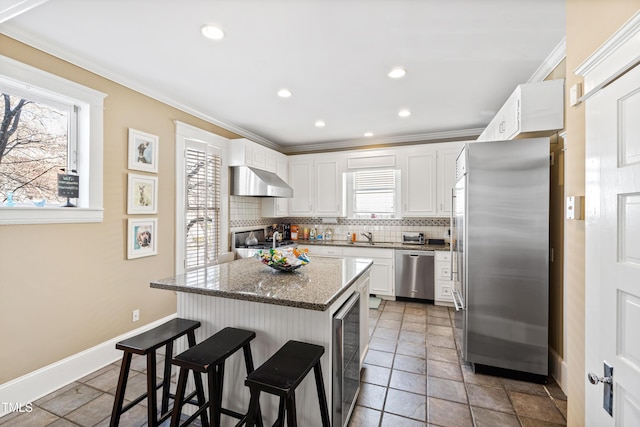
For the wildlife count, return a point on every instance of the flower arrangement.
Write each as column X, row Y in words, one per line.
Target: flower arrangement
column 288, row 259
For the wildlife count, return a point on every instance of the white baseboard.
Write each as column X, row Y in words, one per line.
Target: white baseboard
column 558, row 369
column 37, row 384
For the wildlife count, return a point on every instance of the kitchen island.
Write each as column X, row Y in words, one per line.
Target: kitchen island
column 279, row 307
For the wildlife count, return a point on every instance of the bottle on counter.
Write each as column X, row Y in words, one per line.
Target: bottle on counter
column 353, row 237
column 312, row 234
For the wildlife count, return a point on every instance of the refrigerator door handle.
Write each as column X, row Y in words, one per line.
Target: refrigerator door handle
column 453, row 199
column 455, row 301
column 454, row 294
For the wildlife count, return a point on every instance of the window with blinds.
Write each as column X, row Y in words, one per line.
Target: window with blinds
column 374, row 194
column 202, row 210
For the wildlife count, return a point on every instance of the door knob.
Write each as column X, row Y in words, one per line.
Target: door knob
column 607, row 390
column 594, row 379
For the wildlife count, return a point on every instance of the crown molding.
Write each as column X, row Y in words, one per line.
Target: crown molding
column 629, row 30
column 550, row 62
column 46, row 47
column 456, row 135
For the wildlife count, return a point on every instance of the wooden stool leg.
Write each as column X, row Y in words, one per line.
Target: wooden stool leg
column 322, row 397
column 122, row 385
column 166, row 378
column 215, row 395
column 292, row 418
column 152, row 395
column 281, row 413
column 254, row 407
column 177, row 403
column 248, row 362
column 197, row 379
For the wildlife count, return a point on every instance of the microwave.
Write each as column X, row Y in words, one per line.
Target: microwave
column 412, row 238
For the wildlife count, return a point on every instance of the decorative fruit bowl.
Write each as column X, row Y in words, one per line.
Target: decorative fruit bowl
column 287, row 260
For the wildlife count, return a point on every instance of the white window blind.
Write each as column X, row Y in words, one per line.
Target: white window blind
column 202, row 210
column 374, row 192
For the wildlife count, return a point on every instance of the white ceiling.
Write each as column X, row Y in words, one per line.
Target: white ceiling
column 463, row 59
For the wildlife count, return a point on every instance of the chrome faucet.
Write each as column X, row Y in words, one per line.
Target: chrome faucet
column 369, row 236
column 275, row 238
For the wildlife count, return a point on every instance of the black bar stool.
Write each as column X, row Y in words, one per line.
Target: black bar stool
column 146, row 344
column 209, row 357
column 281, row 375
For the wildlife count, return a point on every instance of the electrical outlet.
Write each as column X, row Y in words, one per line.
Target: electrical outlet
column 136, row 315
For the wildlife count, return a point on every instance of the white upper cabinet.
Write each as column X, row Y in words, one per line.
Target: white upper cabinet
column 532, row 107
column 317, row 185
column 302, row 181
column 419, row 182
column 446, row 177
column 243, row 152
column 277, row 207
column 328, row 174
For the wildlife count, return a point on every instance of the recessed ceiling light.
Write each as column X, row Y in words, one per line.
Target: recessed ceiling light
column 284, row 93
column 320, row 124
column 404, row 113
column 368, row 134
column 212, row 32
column 397, row 72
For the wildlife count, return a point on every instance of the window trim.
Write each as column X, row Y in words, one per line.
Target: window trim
column 89, row 144
column 350, row 178
column 184, row 133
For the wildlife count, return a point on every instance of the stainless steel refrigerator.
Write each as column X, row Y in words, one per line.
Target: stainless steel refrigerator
column 500, row 222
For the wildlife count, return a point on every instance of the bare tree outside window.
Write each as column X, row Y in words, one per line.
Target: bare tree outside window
column 33, row 149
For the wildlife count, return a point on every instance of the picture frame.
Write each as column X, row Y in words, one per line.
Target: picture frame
column 142, row 194
column 142, row 237
column 143, row 151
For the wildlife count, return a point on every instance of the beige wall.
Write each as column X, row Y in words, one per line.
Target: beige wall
column 67, row 287
column 589, row 24
column 556, row 221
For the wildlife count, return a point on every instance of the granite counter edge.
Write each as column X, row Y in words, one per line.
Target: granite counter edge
column 260, row 299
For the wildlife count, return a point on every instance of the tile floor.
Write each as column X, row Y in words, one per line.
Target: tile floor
column 412, row 377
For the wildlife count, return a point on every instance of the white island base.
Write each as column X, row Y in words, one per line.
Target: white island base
column 274, row 325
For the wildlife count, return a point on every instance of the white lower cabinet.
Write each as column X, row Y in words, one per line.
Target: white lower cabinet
column 324, row 251
column 443, row 282
column 382, row 277
column 382, row 282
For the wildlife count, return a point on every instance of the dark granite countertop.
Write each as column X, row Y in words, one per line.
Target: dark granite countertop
column 314, row 286
column 376, row 245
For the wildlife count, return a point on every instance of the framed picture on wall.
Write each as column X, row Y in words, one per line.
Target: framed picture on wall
column 142, row 194
column 142, row 237
column 143, row 151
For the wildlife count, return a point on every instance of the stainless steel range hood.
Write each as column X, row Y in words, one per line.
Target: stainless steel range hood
column 248, row 181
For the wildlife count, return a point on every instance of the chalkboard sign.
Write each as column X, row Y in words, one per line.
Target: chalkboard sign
column 68, row 185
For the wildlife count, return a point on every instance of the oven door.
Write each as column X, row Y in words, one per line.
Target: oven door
column 346, row 360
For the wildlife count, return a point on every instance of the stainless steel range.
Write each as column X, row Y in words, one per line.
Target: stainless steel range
column 247, row 243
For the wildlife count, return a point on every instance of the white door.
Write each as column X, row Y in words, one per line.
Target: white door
column 612, row 314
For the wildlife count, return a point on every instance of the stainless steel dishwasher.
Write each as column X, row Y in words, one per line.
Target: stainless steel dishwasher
column 414, row 274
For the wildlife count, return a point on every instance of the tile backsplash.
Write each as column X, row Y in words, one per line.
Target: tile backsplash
column 246, row 212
